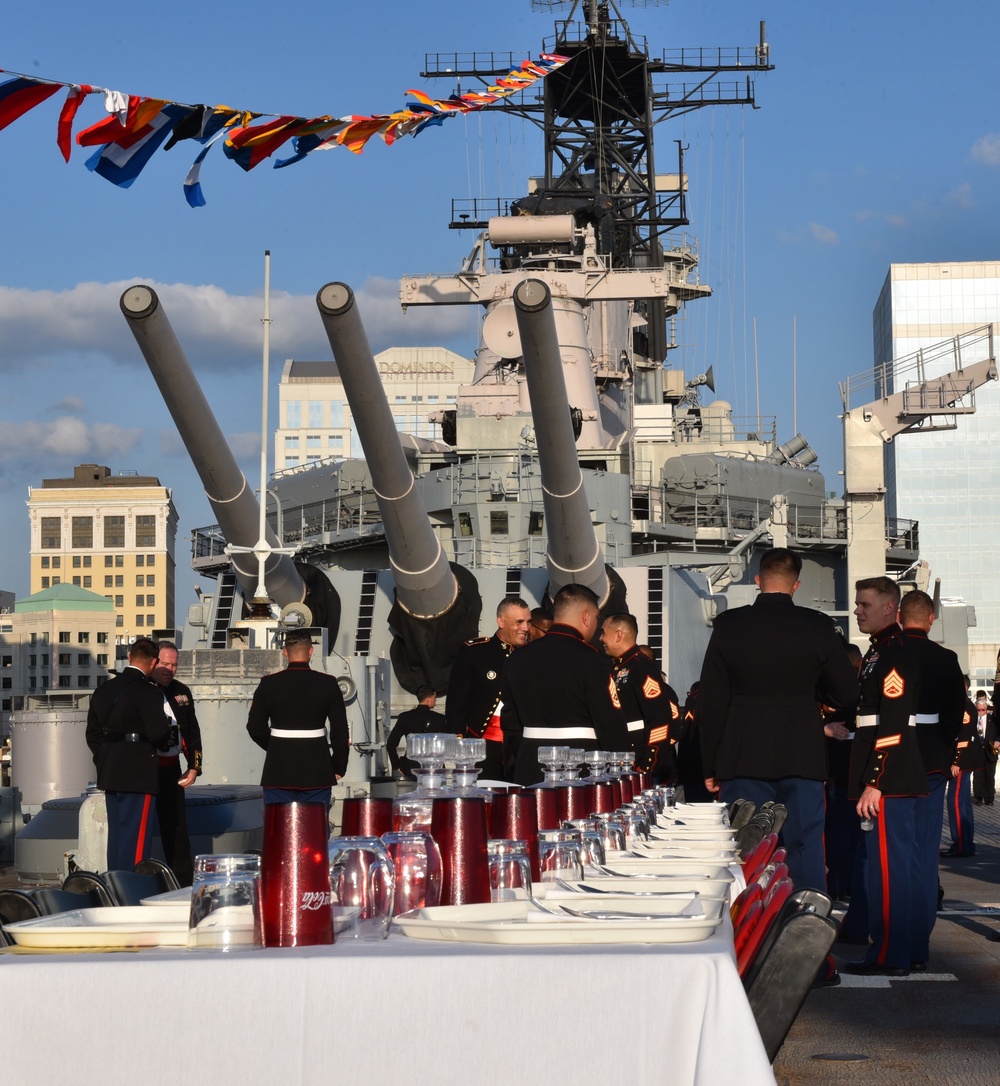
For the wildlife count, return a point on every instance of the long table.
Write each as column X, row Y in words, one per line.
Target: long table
column 400, row 1012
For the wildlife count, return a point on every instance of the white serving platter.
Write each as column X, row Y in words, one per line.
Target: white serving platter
column 125, row 926
column 709, row 889
column 507, row 924
column 630, row 864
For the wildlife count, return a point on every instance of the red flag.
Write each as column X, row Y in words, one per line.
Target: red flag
column 64, row 136
column 17, row 96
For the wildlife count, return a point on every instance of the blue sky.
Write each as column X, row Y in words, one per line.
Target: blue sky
column 877, row 140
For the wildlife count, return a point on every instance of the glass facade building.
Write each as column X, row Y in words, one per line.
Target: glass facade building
column 949, row 479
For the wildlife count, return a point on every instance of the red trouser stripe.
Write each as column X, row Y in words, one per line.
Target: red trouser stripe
column 884, row 865
column 140, row 841
column 959, row 824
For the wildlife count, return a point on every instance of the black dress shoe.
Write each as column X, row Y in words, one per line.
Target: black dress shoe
column 918, row 967
column 873, row 969
column 830, row 981
column 978, row 802
column 953, row 853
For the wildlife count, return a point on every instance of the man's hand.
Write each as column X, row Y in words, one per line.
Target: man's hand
column 955, row 771
column 712, row 785
column 868, row 805
column 836, row 730
column 188, row 779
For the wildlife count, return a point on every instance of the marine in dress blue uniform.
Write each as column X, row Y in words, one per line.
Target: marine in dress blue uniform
column 939, row 717
column 967, row 758
column 887, row 776
column 418, row 720
column 473, row 707
column 125, row 724
column 652, row 714
column 288, row 717
column 766, row 670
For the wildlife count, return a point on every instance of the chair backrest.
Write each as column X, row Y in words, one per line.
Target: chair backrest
column 749, row 837
column 779, row 813
column 777, row 894
column 161, row 871
column 17, row 905
column 51, row 901
column 740, row 812
column 87, row 883
column 758, row 856
column 753, row 892
column 129, row 887
column 779, row 981
column 771, row 871
column 751, row 918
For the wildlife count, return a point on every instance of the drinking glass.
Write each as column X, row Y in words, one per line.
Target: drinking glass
column 515, row 818
column 295, row 875
column 366, row 816
column 362, row 879
column 611, row 827
column 546, row 808
column 416, row 860
column 559, row 855
column 458, row 825
column 225, row 905
column 510, row 870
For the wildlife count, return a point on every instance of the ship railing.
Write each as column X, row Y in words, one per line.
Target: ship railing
column 723, row 58
column 902, row 535
column 476, row 63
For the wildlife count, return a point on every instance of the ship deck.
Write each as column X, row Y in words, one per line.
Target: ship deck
column 937, row 1027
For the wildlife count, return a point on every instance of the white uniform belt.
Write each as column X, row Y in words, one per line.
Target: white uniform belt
column 559, row 733
column 928, row 718
column 635, row 725
column 869, row 720
column 299, row 733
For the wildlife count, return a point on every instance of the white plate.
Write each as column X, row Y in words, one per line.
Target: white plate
column 715, row 812
column 656, row 865
column 658, row 850
column 674, row 905
column 682, row 834
column 709, row 889
column 124, row 926
column 506, row 923
column 175, row 899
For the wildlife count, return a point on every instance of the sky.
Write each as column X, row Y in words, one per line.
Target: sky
column 876, row 140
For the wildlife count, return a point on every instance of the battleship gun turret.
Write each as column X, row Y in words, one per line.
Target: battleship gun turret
column 437, row 603
column 225, row 485
column 573, row 554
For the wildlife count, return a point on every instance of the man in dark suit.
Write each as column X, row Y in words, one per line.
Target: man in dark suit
column 126, row 722
column 761, row 729
column 421, row 718
column 473, row 706
column 559, row 690
column 984, row 780
column 288, row 718
column 184, row 738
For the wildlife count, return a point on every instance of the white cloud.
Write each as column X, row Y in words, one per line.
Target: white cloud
column 65, row 438
column 986, row 151
column 824, row 234
column 245, row 445
column 71, row 405
column 961, row 196
column 217, row 331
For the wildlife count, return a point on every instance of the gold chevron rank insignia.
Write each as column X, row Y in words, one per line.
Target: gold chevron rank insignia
column 651, row 688
column 893, row 685
column 674, row 711
column 613, row 691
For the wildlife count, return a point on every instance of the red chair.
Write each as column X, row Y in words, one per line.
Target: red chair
column 777, row 894
column 758, row 856
column 770, row 873
column 750, row 921
column 738, row 910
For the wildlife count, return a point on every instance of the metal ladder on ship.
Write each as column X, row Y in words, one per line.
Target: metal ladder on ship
column 224, row 609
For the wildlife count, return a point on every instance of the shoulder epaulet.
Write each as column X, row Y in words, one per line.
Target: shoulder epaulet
column 479, row 641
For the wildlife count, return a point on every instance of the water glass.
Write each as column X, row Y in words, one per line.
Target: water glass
column 611, row 827
column 458, row 825
column 510, row 870
column 416, row 860
column 363, row 884
column 366, row 816
column 546, row 808
column 515, row 818
column 559, row 855
column 225, row 904
column 295, row 875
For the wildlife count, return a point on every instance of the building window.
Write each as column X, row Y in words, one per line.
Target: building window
column 102, row 639
column 150, row 561
column 83, row 659
column 83, row 638
column 119, row 561
column 292, row 461
column 51, row 533
column 64, row 637
column 76, row 581
column 119, row 601
column 293, row 414
column 150, row 600
column 291, row 442
column 119, row 621
column 45, row 561
column 65, row 658
column 64, row 680
column 45, row 582
column 33, row 639
column 119, row 580
column 56, row 561
column 87, row 580
column 315, row 413
column 138, row 620
column 7, row 661
column 83, row 681
column 139, row 559
column 114, row 532
column 45, row 682
column 56, row 580
column 140, row 581
column 150, row 580
column 108, row 560
column 313, row 441
column 6, row 682
column 32, row 661
column 86, row 561
column 32, row 683
column 76, row 561
column 102, row 659
column 140, row 601
column 336, row 413
column 83, row 533
column 102, row 679
column 109, row 581
column 145, row 531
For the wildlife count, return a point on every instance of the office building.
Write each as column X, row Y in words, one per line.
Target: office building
column 314, row 418
column 949, row 479
column 111, row 534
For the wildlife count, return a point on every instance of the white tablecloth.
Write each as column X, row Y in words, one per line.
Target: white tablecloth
column 398, row 1012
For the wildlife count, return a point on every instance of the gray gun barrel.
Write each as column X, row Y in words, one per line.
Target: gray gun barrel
column 425, row 584
column 573, row 552
column 232, row 500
